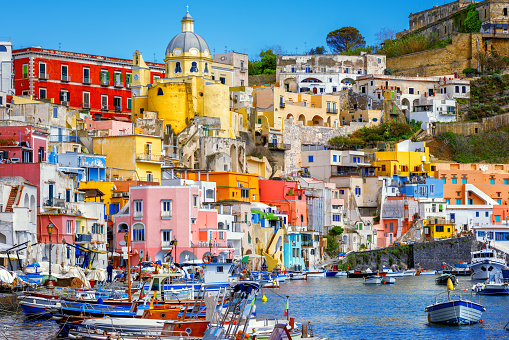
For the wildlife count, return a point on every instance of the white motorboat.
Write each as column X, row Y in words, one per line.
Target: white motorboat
column 410, row 272
column 495, row 285
column 428, row 272
column 485, row 262
column 388, row 280
column 298, row 276
column 374, row 280
column 315, row 273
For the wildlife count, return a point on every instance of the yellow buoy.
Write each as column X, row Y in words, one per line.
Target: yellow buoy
column 450, row 286
column 264, row 298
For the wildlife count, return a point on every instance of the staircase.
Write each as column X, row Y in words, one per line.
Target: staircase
column 12, row 198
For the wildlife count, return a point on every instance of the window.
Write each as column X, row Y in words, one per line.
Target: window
column 194, row 67
column 166, row 236
column 86, row 99
column 242, row 83
column 336, row 218
column 68, row 195
column 165, row 208
column 64, row 96
column 357, row 191
column 410, row 90
column 499, row 201
column 470, row 201
column 454, row 181
column 25, row 71
column 195, row 200
column 206, row 69
column 221, row 235
column 505, row 11
column 105, row 77
column 334, row 158
column 444, row 180
column 42, row 70
column 178, row 68
column 439, row 228
column 65, row 75
column 463, row 89
column 129, row 103
column 86, row 75
column 138, row 232
column 328, row 106
column 458, row 201
column 128, row 79
column 492, row 181
column 222, row 80
column 476, row 214
column 310, row 159
column 138, row 208
column 118, row 78
column 308, row 69
column 104, row 102
column 42, row 93
column 463, row 181
column 501, row 236
column 448, row 200
column 117, row 103
column 69, row 226
column 391, row 226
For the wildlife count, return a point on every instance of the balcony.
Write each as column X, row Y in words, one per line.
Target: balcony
column 118, row 108
column 138, row 214
column 307, row 243
column 148, row 157
column 105, row 82
column 127, row 85
column 282, row 105
column 64, row 103
column 214, row 244
column 54, row 202
column 43, row 76
column 165, row 214
column 64, row 138
column 104, row 107
column 86, row 80
column 65, row 77
column 86, row 105
column 83, row 238
column 166, row 244
column 118, row 83
column 279, row 146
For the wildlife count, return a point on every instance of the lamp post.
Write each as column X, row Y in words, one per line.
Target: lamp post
column 175, row 249
column 210, row 247
column 127, row 239
column 49, row 228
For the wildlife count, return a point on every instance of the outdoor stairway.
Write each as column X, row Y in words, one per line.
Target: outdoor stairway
column 12, row 198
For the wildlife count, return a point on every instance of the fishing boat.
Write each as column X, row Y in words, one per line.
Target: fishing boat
column 495, row 285
column 357, row 275
column 428, row 272
column 388, row 280
column 442, row 279
column 298, row 276
column 373, row 279
column 315, row 273
column 459, row 269
column 409, row 272
column 390, row 273
column 453, row 309
column 485, row 262
column 38, row 306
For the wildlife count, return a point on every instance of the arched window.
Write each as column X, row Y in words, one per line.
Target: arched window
column 138, row 232
column 178, row 68
column 194, row 67
column 206, row 68
column 159, row 91
column 3, row 48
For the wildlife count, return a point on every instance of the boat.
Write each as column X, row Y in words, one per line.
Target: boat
column 428, row 272
column 373, row 279
column 38, row 306
column 459, row 269
column 495, row 285
column 442, row 279
column 357, row 275
column 331, row 273
column 453, row 309
column 505, row 272
column 315, row 273
column 410, row 272
column 485, row 262
column 298, row 276
column 388, row 280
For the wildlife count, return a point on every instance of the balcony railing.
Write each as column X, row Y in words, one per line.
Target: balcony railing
column 128, row 85
column 104, row 107
column 86, row 80
column 148, row 157
column 43, row 76
column 86, row 105
column 308, row 243
column 166, row 214
column 118, row 108
column 280, row 146
column 214, row 244
column 83, row 238
column 64, row 138
column 138, row 214
column 166, row 244
column 64, row 103
column 105, row 82
column 54, row 202
column 66, row 77
column 118, row 83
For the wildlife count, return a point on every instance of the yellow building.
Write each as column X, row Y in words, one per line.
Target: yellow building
column 408, row 158
column 259, row 166
column 131, row 157
column 190, row 87
column 439, row 228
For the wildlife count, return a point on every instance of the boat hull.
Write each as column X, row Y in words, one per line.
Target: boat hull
column 373, row 280
column 331, row 273
column 481, row 270
column 491, row 289
column 456, row 312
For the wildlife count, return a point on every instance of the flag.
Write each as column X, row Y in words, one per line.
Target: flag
column 287, row 307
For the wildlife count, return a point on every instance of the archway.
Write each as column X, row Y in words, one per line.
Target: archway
column 248, row 252
column 302, row 119
column 329, row 122
column 186, row 256
column 234, row 159
column 415, row 103
column 26, row 202
column 122, row 227
column 161, row 256
column 317, row 121
column 290, row 117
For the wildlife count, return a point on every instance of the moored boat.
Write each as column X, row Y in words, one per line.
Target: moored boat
column 459, row 269
column 298, row 276
column 485, row 262
column 495, row 285
column 442, row 279
column 388, row 280
column 428, row 272
column 373, row 279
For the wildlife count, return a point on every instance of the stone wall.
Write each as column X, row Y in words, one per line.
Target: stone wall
column 471, row 128
column 262, row 79
column 296, row 135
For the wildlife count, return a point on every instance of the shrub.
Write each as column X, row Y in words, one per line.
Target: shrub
column 469, row 70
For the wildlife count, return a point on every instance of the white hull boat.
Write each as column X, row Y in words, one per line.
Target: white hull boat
column 388, row 280
column 495, row 285
column 394, row 274
column 410, row 272
column 454, row 311
column 374, row 280
column 316, row 274
column 486, row 262
column 428, row 272
column 298, row 276
column 126, row 325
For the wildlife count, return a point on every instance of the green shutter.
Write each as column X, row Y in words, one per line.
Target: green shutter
column 120, row 77
column 108, row 75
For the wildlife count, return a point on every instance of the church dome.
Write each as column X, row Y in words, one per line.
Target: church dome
column 186, row 41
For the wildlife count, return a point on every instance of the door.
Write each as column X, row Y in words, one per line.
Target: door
column 50, row 194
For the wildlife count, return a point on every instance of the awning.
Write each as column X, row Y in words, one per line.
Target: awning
column 89, row 193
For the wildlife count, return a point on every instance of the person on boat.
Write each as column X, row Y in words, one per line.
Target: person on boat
column 109, row 269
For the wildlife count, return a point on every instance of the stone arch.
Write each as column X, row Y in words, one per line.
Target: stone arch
column 415, row 103
column 234, row 159
column 26, row 201
column 162, row 255
column 317, row 120
column 248, row 252
column 290, row 84
column 405, row 102
column 160, row 92
column 302, row 119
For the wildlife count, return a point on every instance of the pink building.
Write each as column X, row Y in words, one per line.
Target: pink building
column 158, row 215
column 23, row 144
column 113, row 127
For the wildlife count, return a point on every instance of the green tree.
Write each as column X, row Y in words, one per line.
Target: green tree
column 472, row 22
column 317, row 50
column 266, row 64
column 345, row 39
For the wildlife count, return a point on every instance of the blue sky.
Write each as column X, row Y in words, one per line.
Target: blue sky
column 117, row 29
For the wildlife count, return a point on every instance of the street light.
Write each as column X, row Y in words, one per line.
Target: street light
column 126, row 238
column 49, row 228
column 175, row 249
column 210, row 247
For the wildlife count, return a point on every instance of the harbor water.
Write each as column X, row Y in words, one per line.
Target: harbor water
column 341, row 308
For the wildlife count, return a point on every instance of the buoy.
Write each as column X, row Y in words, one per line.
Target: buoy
column 481, row 320
column 450, row 286
column 264, row 298
column 39, row 325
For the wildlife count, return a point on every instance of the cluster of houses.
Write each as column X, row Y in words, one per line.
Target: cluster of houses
column 176, row 161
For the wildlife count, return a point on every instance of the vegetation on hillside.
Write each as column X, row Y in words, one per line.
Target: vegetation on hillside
column 489, row 147
column 489, row 96
column 369, row 136
column 266, row 65
column 332, row 244
column 411, row 44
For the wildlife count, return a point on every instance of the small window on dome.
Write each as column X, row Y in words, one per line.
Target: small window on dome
column 194, row 67
column 159, row 91
column 178, row 69
column 206, row 68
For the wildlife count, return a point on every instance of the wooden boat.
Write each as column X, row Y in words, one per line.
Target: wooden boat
column 38, row 306
column 428, row 272
column 410, row 272
column 454, row 310
column 373, row 279
column 315, row 273
column 442, row 279
column 357, row 275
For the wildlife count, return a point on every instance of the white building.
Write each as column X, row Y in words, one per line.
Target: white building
column 5, row 71
column 496, row 234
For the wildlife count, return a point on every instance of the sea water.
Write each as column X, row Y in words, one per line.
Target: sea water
column 343, row 308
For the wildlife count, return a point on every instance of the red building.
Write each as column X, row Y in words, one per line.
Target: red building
column 99, row 84
column 23, row 144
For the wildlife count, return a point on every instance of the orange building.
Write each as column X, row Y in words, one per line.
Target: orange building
column 287, row 196
column 500, row 214
column 474, row 184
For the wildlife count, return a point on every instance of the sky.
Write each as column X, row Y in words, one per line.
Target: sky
column 118, row 28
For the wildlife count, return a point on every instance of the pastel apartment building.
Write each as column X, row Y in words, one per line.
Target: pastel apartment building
column 407, row 160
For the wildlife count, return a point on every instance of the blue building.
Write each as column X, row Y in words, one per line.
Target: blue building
column 85, row 167
column 416, row 186
column 293, row 259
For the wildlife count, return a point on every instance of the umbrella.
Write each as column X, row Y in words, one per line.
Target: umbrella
column 340, row 254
